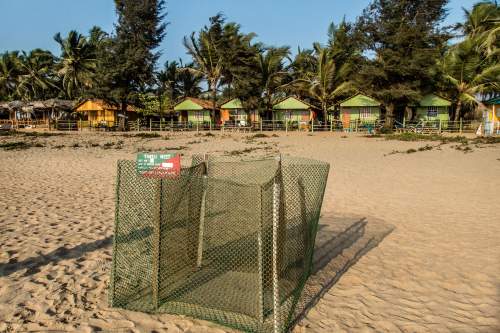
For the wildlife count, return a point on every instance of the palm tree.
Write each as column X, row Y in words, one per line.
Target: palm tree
column 469, row 75
column 36, row 79
column 9, row 71
column 482, row 24
column 327, row 82
column 188, row 83
column 272, row 71
column 78, row 62
column 208, row 62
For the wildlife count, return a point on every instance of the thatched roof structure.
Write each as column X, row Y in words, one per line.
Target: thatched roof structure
column 50, row 104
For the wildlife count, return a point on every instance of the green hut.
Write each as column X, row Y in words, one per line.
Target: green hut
column 433, row 107
column 292, row 109
column 194, row 110
column 233, row 112
column 359, row 107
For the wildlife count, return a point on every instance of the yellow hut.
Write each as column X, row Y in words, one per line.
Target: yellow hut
column 101, row 114
column 491, row 117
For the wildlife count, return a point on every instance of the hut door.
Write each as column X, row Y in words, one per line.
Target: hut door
column 346, row 120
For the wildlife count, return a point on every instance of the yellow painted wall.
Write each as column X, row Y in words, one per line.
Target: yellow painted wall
column 98, row 112
column 494, row 113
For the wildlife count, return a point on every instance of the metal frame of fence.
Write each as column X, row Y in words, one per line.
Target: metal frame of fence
column 360, row 126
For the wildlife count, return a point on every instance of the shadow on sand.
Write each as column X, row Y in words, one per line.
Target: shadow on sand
column 340, row 243
column 33, row 264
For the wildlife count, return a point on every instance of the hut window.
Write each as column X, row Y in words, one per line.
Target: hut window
column 432, row 111
column 198, row 114
column 365, row 113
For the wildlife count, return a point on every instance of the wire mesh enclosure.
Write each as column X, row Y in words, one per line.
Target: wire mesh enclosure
column 230, row 241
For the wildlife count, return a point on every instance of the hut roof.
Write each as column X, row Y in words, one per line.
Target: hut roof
column 53, row 103
column 359, row 100
column 192, row 104
column 434, row 100
column 493, row 101
column 292, row 103
column 234, row 103
column 98, row 105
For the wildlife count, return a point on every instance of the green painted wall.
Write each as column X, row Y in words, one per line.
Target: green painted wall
column 198, row 116
column 442, row 114
column 295, row 115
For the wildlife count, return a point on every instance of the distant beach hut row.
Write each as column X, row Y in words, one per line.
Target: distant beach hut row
column 358, row 108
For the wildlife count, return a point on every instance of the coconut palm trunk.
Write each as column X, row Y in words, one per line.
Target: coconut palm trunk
column 213, row 88
column 458, row 110
column 123, row 112
column 324, row 107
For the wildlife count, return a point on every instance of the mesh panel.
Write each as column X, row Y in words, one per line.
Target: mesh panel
column 229, row 240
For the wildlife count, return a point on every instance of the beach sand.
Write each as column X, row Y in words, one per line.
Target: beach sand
column 407, row 242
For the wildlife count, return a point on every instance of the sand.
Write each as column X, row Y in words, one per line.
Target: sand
column 407, row 242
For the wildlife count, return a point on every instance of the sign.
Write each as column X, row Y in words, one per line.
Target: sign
column 155, row 165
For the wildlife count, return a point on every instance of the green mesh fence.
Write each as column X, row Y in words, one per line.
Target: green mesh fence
column 230, row 241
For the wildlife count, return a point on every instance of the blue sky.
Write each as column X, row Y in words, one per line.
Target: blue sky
column 28, row 24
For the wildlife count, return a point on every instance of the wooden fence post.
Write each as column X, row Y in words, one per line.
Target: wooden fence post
column 461, row 125
column 261, row 125
column 150, row 124
column 440, row 126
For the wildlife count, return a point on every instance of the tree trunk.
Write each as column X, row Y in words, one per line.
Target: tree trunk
column 389, row 116
column 214, row 101
column 458, row 110
column 121, row 120
column 325, row 112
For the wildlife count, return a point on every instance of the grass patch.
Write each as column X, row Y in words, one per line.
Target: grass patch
column 58, row 146
column 75, row 145
column 41, row 134
column 176, row 148
column 258, row 136
column 240, row 152
column 144, row 135
column 108, row 145
column 18, row 145
column 8, row 133
column 209, row 134
column 425, row 137
column 426, row 148
column 489, row 140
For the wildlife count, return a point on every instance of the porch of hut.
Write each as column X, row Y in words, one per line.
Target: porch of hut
column 433, row 108
column 98, row 113
column 194, row 110
column 295, row 112
column 233, row 113
column 359, row 109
